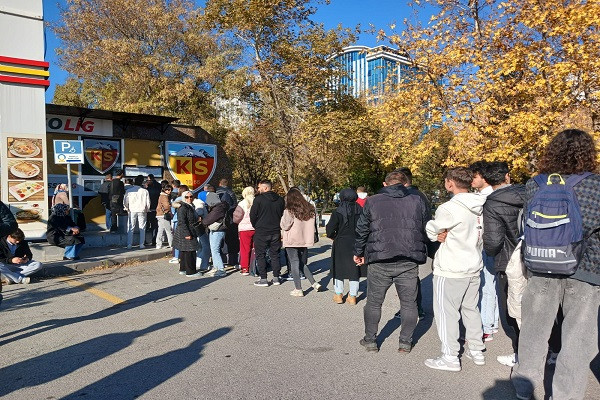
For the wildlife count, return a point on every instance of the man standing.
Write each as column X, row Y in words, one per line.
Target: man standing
column 104, row 199
column 500, row 236
column 390, row 238
column 154, row 190
column 116, row 194
column 265, row 216
column 137, row 202
column 231, row 243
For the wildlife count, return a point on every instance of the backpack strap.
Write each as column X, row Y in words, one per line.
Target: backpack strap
column 541, row 180
column 573, row 180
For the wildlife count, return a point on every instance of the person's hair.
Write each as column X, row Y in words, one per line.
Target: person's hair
column 18, row 235
column 361, row 189
column 183, row 188
column 461, row 176
column 176, row 183
column 224, row 182
column 151, row 177
column 164, row 181
column 478, row 167
column 248, row 195
column 395, row 177
column 298, row 206
column 406, row 171
column 166, row 186
column 209, row 188
column 495, row 172
column 267, row 183
column 109, row 175
column 139, row 180
column 118, row 172
column 129, row 181
column 569, row 152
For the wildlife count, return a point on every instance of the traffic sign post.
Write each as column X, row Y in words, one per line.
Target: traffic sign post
column 68, row 152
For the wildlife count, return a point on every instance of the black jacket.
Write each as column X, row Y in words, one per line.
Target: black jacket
column 392, row 226
column 227, row 195
column 154, row 190
column 186, row 219
column 216, row 214
column 103, row 192
column 57, row 233
column 266, row 213
column 116, row 193
column 21, row 251
column 8, row 223
column 500, row 226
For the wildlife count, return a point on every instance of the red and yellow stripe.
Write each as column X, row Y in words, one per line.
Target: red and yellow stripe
column 27, row 72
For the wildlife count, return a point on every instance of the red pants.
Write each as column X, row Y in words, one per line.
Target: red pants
column 245, row 248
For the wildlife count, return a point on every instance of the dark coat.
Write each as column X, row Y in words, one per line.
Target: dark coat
column 216, row 214
column 500, row 226
column 342, row 263
column 392, row 226
column 57, row 233
column 103, row 192
column 8, row 223
column 186, row 216
column 227, row 195
column 116, row 193
column 154, row 190
column 266, row 213
column 21, row 251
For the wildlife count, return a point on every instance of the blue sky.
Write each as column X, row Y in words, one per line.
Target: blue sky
column 349, row 13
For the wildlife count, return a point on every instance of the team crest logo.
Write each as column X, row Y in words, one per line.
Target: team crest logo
column 191, row 163
column 102, row 155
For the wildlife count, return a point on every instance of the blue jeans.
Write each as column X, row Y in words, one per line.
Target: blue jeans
column 175, row 251
column 108, row 215
column 73, row 250
column 488, row 300
column 338, row 284
column 204, row 253
column 216, row 240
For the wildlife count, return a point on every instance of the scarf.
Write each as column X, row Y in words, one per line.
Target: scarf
column 348, row 205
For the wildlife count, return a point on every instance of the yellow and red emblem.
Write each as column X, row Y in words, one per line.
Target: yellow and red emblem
column 193, row 164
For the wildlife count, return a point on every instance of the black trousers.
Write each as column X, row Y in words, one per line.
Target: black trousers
column 187, row 262
column 151, row 228
column 263, row 242
column 502, row 291
column 114, row 217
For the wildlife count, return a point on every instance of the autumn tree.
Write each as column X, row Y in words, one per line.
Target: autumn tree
column 503, row 76
column 148, row 56
column 288, row 63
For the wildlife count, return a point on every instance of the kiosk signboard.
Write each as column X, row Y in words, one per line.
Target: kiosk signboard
column 191, row 163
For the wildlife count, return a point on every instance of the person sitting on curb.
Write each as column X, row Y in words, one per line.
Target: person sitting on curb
column 63, row 232
column 16, row 259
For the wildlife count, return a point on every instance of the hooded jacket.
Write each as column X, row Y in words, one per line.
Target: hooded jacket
column 295, row 232
column 500, row 218
column 137, row 199
column 460, row 254
column 266, row 213
column 391, row 226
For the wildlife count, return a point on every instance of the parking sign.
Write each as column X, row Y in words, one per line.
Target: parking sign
column 68, row 152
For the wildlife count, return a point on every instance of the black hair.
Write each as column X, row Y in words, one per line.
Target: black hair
column 478, row 166
column 495, row 172
column 406, row 171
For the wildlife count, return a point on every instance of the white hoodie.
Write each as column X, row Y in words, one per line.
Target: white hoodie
column 460, row 255
column 136, row 199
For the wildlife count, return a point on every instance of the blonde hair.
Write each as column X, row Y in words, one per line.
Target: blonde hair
column 248, row 195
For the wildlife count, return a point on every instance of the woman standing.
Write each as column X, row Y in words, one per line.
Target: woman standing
column 298, row 225
column 185, row 239
column 164, row 215
column 341, row 228
column 61, row 194
column 63, row 232
column 241, row 216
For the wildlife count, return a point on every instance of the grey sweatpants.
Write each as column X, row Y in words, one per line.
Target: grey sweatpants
column 453, row 298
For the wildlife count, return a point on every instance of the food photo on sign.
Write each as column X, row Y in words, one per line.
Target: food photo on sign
column 24, row 148
column 193, row 164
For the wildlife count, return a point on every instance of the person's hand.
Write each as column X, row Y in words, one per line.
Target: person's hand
column 16, row 260
column 188, row 237
column 75, row 230
column 441, row 237
column 359, row 260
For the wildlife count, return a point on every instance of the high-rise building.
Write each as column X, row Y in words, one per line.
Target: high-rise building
column 370, row 71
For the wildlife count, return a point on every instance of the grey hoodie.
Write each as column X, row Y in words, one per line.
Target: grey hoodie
column 460, row 255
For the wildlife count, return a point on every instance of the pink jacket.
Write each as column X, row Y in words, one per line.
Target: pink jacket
column 297, row 233
column 242, row 214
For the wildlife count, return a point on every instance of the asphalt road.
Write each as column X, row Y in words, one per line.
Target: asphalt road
column 207, row 338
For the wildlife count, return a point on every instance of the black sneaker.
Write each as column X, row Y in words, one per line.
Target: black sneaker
column 404, row 347
column 276, row 281
column 369, row 345
column 262, row 283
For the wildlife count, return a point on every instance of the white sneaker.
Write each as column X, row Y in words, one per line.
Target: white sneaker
column 142, row 246
column 317, row 286
column 443, row 364
column 508, row 360
column 26, row 280
column 174, row 261
column 297, row 293
column 158, row 247
column 475, row 355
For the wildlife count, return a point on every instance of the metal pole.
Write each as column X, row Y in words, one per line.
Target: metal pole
column 69, row 186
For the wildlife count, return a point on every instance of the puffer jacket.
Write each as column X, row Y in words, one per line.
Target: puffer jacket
column 392, row 225
column 295, row 232
column 186, row 217
column 500, row 214
column 242, row 214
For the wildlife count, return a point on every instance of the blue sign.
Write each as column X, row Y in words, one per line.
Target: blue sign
column 68, row 152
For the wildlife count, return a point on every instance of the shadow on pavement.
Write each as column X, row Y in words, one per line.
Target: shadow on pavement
column 134, row 380
column 155, row 296
column 56, row 364
column 502, row 390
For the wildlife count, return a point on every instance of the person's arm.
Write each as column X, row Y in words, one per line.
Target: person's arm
column 254, row 212
column 287, row 220
column 331, row 229
column 494, row 230
column 215, row 214
column 126, row 201
column 5, row 254
column 363, row 230
column 238, row 215
column 147, row 200
column 8, row 223
column 27, row 250
column 443, row 221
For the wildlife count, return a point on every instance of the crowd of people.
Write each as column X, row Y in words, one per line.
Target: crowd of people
column 496, row 247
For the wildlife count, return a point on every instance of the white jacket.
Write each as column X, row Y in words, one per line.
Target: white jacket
column 136, row 199
column 460, row 255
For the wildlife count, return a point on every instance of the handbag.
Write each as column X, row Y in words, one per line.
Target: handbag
column 168, row 215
